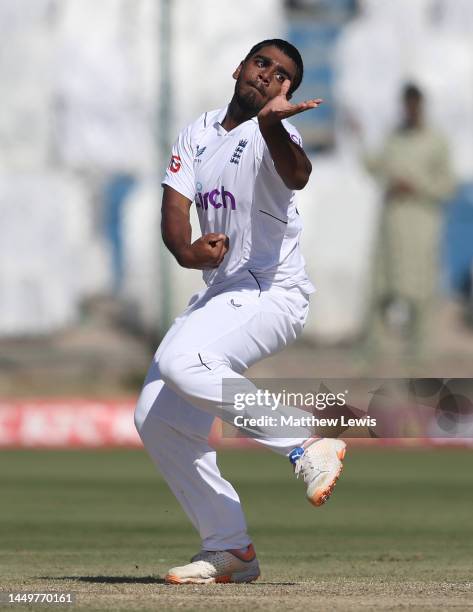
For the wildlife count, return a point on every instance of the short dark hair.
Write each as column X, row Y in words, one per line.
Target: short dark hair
column 288, row 50
column 411, row 91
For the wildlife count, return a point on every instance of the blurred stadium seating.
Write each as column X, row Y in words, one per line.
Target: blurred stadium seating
column 81, row 89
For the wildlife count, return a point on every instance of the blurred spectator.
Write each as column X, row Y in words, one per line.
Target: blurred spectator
column 414, row 168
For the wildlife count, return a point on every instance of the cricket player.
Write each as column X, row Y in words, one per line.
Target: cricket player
column 241, row 165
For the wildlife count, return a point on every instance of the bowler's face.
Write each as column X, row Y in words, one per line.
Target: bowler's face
column 260, row 78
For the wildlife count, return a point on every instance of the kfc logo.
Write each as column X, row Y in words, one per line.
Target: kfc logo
column 175, row 164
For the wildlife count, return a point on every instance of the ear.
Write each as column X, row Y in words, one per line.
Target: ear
column 236, row 74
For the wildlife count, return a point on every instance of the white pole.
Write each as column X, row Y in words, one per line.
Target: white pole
column 164, row 147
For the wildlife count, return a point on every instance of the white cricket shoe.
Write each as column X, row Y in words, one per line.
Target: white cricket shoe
column 320, row 463
column 217, row 566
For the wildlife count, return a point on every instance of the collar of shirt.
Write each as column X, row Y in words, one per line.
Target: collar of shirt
column 221, row 116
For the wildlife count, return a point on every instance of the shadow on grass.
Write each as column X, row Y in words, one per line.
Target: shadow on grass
column 146, row 580
column 109, row 579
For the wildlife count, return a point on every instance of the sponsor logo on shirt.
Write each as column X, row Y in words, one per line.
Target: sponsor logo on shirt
column 175, row 163
column 296, row 139
column 218, row 198
column 238, row 152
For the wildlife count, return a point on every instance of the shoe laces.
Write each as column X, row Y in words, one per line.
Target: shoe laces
column 305, row 465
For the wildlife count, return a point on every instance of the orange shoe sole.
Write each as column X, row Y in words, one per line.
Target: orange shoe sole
column 171, row 579
column 320, row 497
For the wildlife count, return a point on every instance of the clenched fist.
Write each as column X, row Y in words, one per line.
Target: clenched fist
column 206, row 252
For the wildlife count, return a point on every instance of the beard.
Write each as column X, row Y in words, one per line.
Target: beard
column 249, row 101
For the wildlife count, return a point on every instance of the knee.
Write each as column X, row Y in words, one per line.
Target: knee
column 183, row 371
column 173, row 368
column 149, row 425
column 142, row 409
column 147, row 406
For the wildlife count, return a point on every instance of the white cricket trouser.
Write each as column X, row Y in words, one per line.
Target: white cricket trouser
column 221, row 333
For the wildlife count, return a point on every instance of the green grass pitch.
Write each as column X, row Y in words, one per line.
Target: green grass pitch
column 397, row 533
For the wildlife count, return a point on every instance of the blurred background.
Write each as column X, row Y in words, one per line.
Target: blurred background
column 93, row 95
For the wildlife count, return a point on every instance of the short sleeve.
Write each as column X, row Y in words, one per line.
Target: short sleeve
column 180, row 171
column 294, row 134
column 268, row 160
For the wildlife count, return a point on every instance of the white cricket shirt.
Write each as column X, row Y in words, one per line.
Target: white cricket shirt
column 232, row 180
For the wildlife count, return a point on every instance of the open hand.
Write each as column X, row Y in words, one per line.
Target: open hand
column 279, row 107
